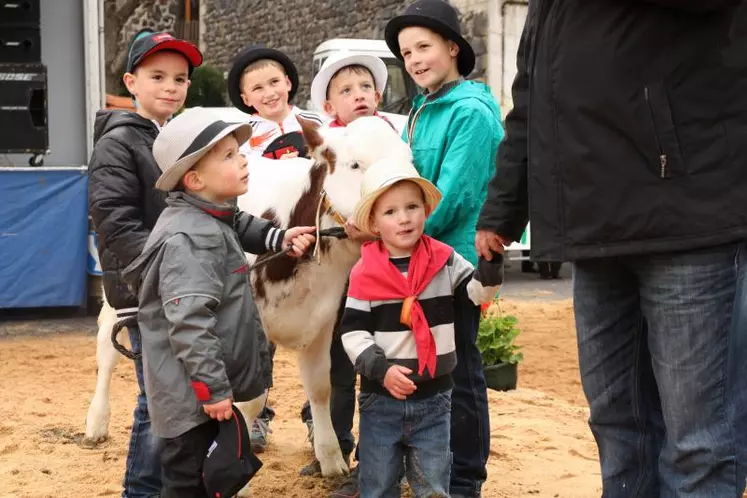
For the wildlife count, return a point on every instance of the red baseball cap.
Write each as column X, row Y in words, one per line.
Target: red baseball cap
column 151, row 43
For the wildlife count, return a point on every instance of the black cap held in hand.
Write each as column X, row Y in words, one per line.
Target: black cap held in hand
column 229, row 464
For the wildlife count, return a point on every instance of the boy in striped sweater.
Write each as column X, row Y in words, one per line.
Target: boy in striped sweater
column 398, row 330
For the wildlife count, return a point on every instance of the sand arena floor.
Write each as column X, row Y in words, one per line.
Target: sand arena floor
column 540, row 443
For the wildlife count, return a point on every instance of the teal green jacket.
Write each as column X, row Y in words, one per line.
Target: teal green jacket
column 454, row 135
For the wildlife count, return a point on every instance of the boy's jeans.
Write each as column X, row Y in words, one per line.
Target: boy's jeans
column 142, row 477
column 663, row 359
column 417, row 430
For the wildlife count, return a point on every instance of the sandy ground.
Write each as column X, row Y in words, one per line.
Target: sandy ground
column 540, row 443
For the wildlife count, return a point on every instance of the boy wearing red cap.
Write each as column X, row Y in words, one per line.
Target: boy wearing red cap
column 124, row 205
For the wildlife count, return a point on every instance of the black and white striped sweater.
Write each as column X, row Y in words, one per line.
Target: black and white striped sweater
column 374, row 338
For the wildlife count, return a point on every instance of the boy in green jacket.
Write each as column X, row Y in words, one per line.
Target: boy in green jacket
column 454, row 127
column 454, row 130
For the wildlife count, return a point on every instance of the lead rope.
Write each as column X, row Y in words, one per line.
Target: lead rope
column 317, row 225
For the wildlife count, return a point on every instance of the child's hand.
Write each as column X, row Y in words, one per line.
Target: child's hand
column 356, row 235
column 289, row 155
column 222, row 410
column 397, row 383
column 300, row 239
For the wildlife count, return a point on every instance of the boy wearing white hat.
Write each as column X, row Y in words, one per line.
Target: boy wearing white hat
column 398, row 330
column 195, row 300
column 349, row 86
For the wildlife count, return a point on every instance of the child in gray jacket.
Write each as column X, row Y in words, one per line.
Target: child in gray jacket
column 203, row 344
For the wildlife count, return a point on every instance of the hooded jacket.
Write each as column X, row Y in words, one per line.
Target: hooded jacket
column 125, row 204
column 454, row 135
column 122, row 198
column 202, row 339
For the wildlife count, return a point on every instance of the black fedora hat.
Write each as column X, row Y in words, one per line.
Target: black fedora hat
column 252, row 54
column 438, row 16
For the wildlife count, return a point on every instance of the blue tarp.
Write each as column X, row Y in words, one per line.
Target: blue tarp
column 43, row 237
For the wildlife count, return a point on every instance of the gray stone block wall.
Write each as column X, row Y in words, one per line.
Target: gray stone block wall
column 297, row 27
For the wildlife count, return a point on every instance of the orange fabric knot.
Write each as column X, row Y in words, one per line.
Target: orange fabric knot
column 405, row 316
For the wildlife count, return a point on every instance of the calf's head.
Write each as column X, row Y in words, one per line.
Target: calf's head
column 345, row 153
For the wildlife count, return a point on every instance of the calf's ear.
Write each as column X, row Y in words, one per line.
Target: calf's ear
column 318, row 150
column 311, row 135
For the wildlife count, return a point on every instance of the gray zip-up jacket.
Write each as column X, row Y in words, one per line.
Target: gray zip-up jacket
column 202, row 339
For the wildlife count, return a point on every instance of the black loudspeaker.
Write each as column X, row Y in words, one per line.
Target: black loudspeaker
column 23, row 12
column 19, row 45
column 23, row 109
column 20, row 32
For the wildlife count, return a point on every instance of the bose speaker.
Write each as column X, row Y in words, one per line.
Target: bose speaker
column 23, row 109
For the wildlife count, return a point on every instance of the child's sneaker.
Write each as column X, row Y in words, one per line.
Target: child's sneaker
column 260, row 429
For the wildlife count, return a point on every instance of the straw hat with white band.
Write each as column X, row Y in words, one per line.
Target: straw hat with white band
column 338, row 61
column 186, row 138
column 379, row 177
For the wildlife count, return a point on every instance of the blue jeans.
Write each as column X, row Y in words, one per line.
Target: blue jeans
column 663, row 364
column 142, row 477
column 417, row 430
column 470, row 418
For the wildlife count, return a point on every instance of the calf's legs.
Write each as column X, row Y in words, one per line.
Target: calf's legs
column 314, row 361
column 97, row 420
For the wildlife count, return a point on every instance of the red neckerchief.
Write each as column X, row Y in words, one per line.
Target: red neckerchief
column 339, row 124
column 375, row 278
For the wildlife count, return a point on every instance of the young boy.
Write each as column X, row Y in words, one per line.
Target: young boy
column 262, row 81
column 398, row 330
column 195, row 299
column 349, row 86
column 124, row 205
column 454, row 130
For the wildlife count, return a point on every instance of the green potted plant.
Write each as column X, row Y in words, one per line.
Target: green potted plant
column 500, row 355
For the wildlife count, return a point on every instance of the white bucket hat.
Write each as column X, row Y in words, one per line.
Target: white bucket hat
column 186, row 138
column 379, row 177
column 338, row 61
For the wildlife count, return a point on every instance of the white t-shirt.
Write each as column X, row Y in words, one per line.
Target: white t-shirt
column 264, row 131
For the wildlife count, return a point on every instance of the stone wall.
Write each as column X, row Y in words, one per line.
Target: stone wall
column 124, row 18
column 297, row 27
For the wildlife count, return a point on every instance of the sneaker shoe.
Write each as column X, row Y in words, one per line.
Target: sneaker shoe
column 351, row 488
column 258, row 436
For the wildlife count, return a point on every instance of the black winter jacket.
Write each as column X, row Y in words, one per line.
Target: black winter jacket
column 123, row 200
column 629, row 129
column 125, row 204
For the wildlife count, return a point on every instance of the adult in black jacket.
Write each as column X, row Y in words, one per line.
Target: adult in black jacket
column 627, row 149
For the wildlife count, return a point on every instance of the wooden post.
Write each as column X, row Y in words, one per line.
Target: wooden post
column 187, row 10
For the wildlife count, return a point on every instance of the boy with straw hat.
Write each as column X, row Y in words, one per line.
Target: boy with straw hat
column 398, row 330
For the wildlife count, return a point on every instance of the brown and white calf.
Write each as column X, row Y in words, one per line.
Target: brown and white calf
column 297, row 299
